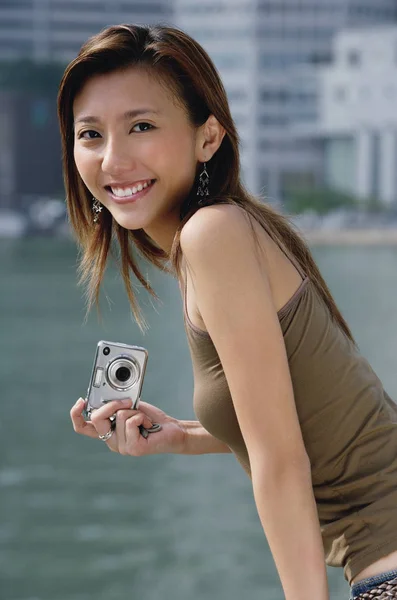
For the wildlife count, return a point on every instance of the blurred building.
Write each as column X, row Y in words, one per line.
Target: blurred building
column 357, row 119
column 47, row 30
column 226, row 29
column 30, row 153
column 267, row 52
column 294, row 37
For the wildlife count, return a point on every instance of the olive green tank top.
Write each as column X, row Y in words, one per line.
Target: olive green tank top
column 348, row 421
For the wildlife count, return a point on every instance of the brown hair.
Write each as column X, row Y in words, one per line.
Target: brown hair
column 181, row 64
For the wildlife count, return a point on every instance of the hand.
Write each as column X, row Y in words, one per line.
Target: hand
column 126, row 438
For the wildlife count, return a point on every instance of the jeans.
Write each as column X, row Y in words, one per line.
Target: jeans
column 371, row 582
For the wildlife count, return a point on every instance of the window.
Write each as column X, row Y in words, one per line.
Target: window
column 79, row 6
column 203, row 9
column 267, row 145
column 70, row 48
column 58, row 26
column 273, row 120
column 217, row 34
column 142, row 7
column 354, row 57
column 276, row 96
column 274, row 6
column 15, row 23
column 320, row 58
column 308, row 116
column 304, row 33
column 280, row 61
column 22, row 47
column 16, row 4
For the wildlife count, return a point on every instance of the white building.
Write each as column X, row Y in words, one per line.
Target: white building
column 357, row 117
column 226, row 29
column 292, row 34
column 261, row 48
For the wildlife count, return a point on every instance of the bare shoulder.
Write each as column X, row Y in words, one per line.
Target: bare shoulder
column 223, row 235
column 218, row 226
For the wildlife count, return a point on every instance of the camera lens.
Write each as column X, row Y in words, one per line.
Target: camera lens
column 123, row 374
column 106, row 350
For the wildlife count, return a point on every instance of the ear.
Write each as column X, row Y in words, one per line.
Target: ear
column 209, row 138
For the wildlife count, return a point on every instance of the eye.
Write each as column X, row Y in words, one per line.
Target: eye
column 143, row 125
column 82, row 134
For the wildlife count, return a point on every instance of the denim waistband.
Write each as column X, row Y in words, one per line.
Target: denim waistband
column 370, row 582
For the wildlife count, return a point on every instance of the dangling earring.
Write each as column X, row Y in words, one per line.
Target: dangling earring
column 96, row 208
column 204, row 180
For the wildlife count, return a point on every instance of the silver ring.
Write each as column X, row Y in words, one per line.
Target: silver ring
column 109, row 434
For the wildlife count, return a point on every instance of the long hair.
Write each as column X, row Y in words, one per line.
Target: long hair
column 180, row 63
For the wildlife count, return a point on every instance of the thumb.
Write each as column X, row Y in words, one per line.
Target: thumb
column 151, row 411
column 147, row 423
column 142, row 419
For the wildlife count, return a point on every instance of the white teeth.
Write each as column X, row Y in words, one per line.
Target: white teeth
column 121, row 193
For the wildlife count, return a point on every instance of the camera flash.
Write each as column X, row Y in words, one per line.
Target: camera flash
column 98, row 377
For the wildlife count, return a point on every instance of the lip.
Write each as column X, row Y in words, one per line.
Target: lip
column 132, row 198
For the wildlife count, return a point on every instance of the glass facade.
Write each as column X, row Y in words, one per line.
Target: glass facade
column 45, row 24
column 340, row 164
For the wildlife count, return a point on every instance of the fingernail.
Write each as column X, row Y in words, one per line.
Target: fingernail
column 126, row 402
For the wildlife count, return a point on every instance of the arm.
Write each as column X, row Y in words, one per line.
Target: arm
column 234, row 298
column 175, row 437
column 199, row 441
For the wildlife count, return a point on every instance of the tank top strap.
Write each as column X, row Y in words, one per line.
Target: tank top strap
column 289, row 256
column 294, row 261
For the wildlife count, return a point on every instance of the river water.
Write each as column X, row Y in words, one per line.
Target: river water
column 79, row 522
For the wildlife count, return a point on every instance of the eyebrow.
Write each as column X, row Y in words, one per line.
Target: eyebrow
column 130, row 114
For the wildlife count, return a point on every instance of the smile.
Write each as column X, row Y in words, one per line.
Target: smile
column 122, row 195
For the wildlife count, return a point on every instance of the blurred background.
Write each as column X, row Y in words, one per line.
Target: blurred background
column 312, row 87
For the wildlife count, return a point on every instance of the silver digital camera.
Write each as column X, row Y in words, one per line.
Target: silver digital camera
column 117, row 374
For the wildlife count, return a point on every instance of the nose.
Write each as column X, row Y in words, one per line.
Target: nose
column 117, row 157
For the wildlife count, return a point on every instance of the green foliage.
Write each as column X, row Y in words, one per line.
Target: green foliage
column 28, row 75
column 319, row 200
column 374, row 205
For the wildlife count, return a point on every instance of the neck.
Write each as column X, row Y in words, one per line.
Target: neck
column 163, row 234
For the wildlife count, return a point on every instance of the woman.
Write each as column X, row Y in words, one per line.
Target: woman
column 151, row 162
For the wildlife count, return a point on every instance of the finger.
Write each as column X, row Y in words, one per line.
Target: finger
column 110, row 408
column 100, row 417
column 117, row 442
column 151, row 411
column 121, row 418
column 80, row 425
column 133, row 434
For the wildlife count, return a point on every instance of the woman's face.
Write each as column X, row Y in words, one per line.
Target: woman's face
column 129, row 131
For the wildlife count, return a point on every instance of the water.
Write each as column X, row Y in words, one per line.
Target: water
column 79, row 522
